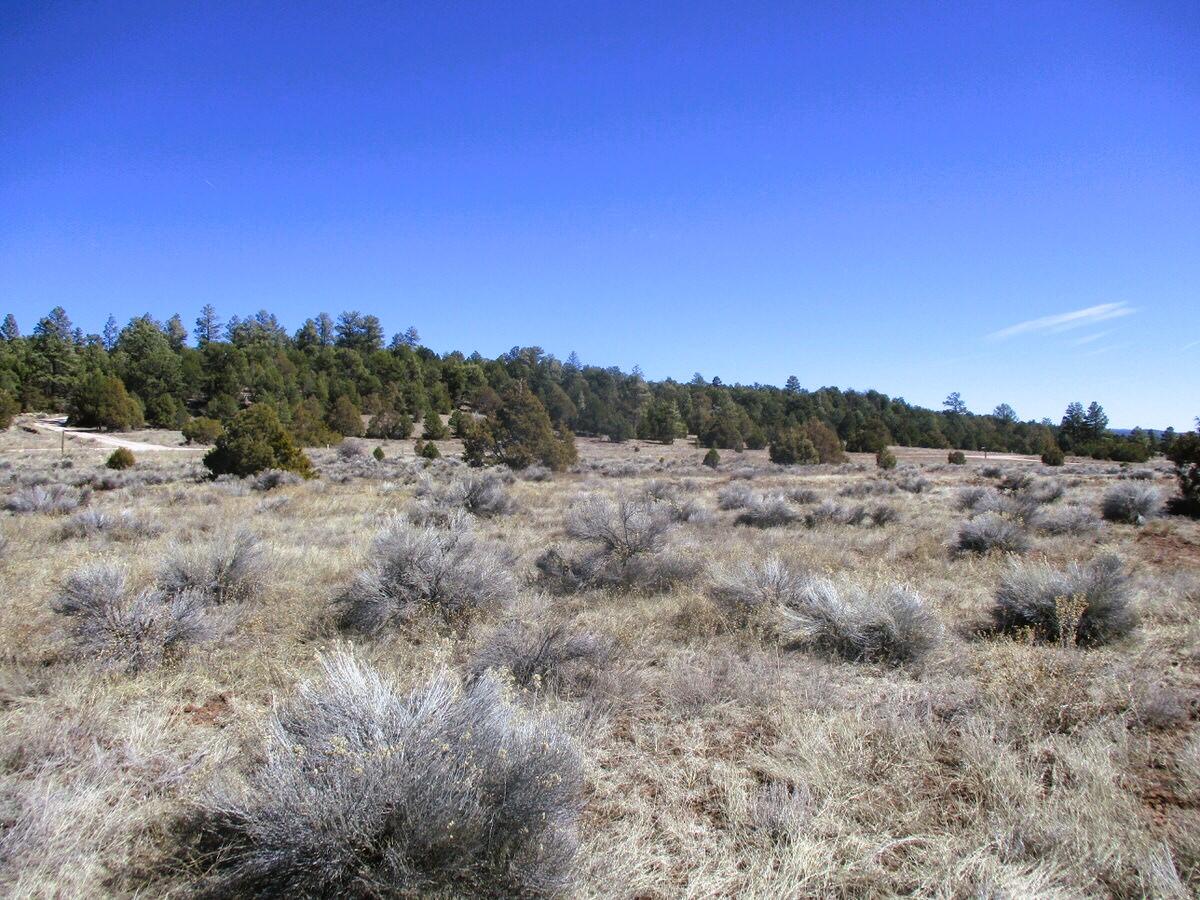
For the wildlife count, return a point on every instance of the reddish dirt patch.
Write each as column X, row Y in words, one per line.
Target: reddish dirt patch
column 1170, row 548
column 210, row 712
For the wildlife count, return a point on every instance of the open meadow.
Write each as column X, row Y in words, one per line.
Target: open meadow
column 642, row 677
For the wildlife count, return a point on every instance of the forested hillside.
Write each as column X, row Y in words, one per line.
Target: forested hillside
column 336, row 378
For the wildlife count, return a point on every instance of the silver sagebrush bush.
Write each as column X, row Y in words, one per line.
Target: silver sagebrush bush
column 367, row 792
column 539, row 654
column 1130, row 503
column 230, row 569
column 1086, row 605
column 991, row 531
column 416, row 567
column 890, row 625
column 130, row 632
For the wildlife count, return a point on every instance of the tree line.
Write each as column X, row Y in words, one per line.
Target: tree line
column 337, row 377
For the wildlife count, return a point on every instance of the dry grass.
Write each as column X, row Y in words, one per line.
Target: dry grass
column 714, row 758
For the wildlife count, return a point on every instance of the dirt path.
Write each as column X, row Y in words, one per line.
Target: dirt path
column 107, row 440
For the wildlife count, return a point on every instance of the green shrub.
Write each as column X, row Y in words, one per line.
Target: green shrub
column 712, row 458
column 434, row 428
column 825, row 439
column 791, row 447
column 885, row 458
column 202, row 430
column 956, row 458
column 256, row 440
column 345, row 418
column 518, row 434
column 8, row 408
column 1052, row 455
column 121, row 458
column 101, row 401
column 427, row 449
column 1185, row 453
column 378, row 454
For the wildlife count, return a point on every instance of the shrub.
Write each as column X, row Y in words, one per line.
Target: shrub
column 366, row 792
column 991, row 531
column 378, row 454
column 748, row 593
column 913, row 483
column 121, row 458
column 481, row 495
column 792, row 447
column 1052, row 455
column 621, row 529
column 539, row 655
column 518, row 433
column 865, row 488
column 53, row 499
column 350, row 449
column 1184, row 452
column 889, row 626
column 991, row 471
column 1084, row 605
column 830, row 512
column 825, row 440
column 91, row 522
column 202, row 430
column 1066, row 520
column 956, row 458
column 9, row 407
column 768, row 511
column 1130, row 503
column 627, row 549
column 735, row 496
column 412, row 568
column 255, row 440
column 970, row 497
column 802, row 495
column 345, row 418
column 101, row 401
column 229, row 570
column 712, row 458
column 270, row 479
column 130, row 633
column 433, row 428
column 426, row 450
column 885, row 458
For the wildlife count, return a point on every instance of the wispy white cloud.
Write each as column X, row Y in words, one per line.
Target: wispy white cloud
column 1089, row 338
column 1190, row 345
column 1080, row 318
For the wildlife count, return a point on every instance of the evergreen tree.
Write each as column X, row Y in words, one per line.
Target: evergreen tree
column 9, row 330
column 256, row 440
column 345, row 418
column 1005, row 413
column 433, row 428
column 954, row 404
column 519, row 434
column 101, row 401
column 208, row 326
column 176, row 333
column 660, row 422
column 792, row 386
column 1095, row 422
column 110, row 333
column 1073, row 429
column 825, row 440
column 792, row 447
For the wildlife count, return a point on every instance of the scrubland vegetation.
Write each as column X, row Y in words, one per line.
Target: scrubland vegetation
column 644, row 671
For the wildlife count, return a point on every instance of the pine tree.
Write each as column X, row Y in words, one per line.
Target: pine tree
column 176, row 333
column 792, row 386
column 954, row 404
column 1095, row 421
column 792, row 447
column 208, row 326
column 9, row 330
column 110, row 334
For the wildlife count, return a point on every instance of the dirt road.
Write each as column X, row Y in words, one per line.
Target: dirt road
column 107, row 440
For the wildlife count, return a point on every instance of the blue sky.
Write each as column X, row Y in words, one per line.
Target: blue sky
column 998, row 199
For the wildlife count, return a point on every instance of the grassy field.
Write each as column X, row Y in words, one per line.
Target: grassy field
column 753, row 681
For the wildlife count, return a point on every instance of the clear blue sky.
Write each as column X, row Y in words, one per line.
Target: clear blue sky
column 865, row 195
